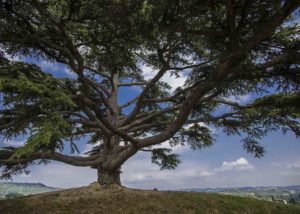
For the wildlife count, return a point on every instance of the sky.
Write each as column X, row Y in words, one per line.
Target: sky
column 225, row 164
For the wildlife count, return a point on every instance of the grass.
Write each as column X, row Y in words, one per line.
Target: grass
column 97, row 199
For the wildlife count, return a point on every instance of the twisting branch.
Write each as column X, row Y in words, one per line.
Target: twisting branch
column 146, row 127
column 129, row 102
column 72, row 160
column 226, row 102
column 96, row 71
column 132, row 83
column 99, row 86
column 149, row 116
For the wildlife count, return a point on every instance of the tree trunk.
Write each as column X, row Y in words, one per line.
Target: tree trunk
column 108, row 177
column 108, row 174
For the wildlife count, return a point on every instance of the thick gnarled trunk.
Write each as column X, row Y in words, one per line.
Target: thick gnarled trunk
column 107, row 177
column 109, row 172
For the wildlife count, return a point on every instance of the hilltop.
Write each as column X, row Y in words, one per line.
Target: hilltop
column 97, row 199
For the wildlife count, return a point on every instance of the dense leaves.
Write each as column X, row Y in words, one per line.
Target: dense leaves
column 30, row 98
column 164, row 159
column 9, row 170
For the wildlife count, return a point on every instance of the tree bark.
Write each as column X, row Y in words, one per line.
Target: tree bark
column 109, row 177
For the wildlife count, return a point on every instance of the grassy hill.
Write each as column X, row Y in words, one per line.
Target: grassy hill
column 96, row 199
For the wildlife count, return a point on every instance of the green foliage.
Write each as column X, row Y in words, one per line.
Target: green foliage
column 32, row 102
column 198, row 136
column 285, row 104
column 253, row 147
column 21, row 82
column 9, row 170
column 45, row 137
column 31, row 97
column 164, row 159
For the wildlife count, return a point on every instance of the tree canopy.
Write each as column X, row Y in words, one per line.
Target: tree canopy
column 224, row 49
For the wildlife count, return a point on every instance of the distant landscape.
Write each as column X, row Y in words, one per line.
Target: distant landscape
column 279, row 194
column 14, row 190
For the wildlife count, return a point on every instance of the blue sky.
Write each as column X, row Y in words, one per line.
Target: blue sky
column 225, row 164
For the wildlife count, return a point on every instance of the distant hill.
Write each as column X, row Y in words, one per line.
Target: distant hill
column 12, row 190
column 283, row 194
column 97, row 199
column 293, row 187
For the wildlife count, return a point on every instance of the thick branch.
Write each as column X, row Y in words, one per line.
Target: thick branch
column 96, row 71
column 150, row 116
column 129, row 102
column 72, row 160
column 132, row 83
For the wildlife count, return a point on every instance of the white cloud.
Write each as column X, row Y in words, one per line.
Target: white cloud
column 142, row 174
column 172, row 80
column 295, row 165
column 200, row 124
column 87, row 148
column 148, row 72
column 212, row 129
column 239, row 164
column 206, row 173
column 175, row 149
column 9, row 56
column 243, row 99
column 54, row 67
column 14, row 143
column 291, row 164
